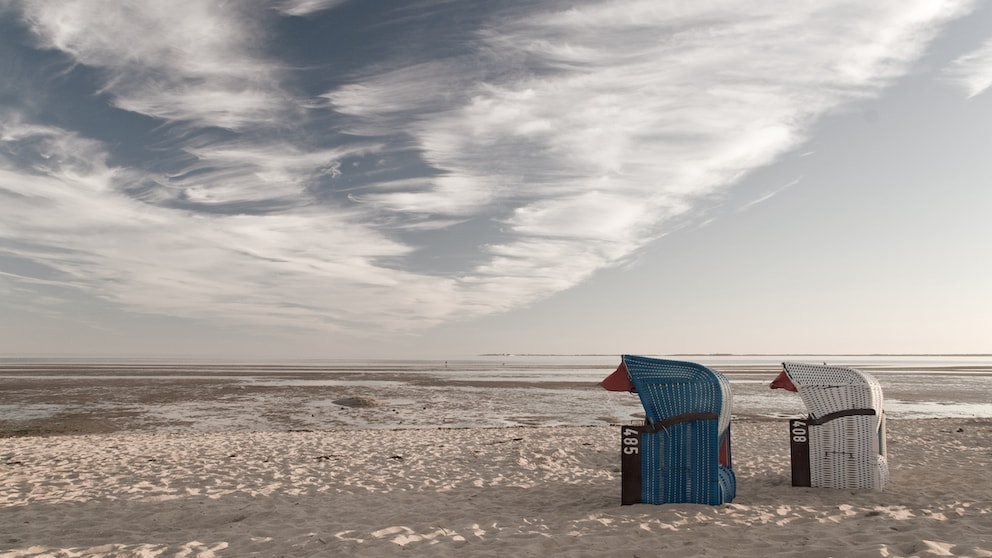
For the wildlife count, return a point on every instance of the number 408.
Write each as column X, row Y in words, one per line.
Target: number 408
column 798, row 433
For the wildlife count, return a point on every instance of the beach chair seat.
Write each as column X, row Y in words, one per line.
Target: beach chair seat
column 841, row 443
column 682, row 453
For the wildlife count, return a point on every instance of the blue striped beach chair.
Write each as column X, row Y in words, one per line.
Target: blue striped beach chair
column 682, row 452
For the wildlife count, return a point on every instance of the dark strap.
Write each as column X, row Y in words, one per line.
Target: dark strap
column 686, row 417
column 845, row 413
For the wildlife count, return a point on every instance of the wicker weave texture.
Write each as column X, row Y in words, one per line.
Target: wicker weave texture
column 848, row 451
column 681, row 463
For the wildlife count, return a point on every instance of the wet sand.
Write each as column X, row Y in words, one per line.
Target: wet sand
column 53, row 399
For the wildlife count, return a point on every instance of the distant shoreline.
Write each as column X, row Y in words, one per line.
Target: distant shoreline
column 662, row 355
column 273, row 361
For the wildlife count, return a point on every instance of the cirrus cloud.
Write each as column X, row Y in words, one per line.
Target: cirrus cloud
column 271, row 191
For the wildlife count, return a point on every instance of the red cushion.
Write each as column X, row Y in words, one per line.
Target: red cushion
column 783, row 382
column 619, row 380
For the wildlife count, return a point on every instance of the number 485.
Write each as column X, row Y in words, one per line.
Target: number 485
column 630, row 441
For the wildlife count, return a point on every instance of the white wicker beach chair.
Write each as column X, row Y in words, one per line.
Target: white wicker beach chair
column 842, row 442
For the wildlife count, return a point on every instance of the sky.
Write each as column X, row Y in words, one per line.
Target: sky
column 329, row 179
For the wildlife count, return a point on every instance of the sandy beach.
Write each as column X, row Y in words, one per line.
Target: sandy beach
column 545, row 491
column 231, row 463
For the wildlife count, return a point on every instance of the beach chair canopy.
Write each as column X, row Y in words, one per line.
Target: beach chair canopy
column 829, row 389
column 669, row 388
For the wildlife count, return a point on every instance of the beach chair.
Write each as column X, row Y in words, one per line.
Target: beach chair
column 841, row 444
column 681, row 454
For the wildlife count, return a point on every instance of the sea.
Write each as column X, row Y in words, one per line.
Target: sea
column 490, row 390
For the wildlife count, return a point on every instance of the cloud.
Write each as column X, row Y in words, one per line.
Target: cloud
column 306, row 7
column 185, row 61
column 565, row 136
column 295, row 270
column 973, row 71
column 239, row 172
column 570, row 127
column 767, row 196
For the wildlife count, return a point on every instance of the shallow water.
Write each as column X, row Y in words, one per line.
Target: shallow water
column 502, row 390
